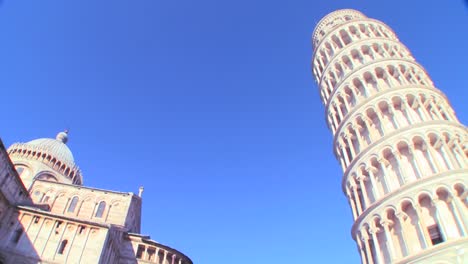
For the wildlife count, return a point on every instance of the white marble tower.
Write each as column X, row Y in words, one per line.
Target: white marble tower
column 402, row 149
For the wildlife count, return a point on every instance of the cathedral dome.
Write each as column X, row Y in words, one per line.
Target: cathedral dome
column 53, row 152
column 55, row 147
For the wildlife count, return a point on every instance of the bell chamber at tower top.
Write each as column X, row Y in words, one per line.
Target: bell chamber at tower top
column 333, row 20
column 343, row 30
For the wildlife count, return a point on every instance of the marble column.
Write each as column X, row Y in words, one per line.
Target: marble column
column 388, row 237
column 378, row 249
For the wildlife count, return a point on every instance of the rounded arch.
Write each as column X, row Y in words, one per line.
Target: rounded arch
column 364, row 229
column 459, row 188
column 23, row 169
column 443, row 193
column 361, row 167
column 115, row 201
column 89, row 198
column 46, row 176
column 375, row 221
column 389, row 208
column 383, row 105
column 72, row 206
column 387, row 151
column 422, row 194
column 403, row 143
column 405, row 202
column 101, row 208
column 418, row 139
column 61, row 193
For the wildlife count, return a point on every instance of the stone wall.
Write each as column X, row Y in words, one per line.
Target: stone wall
column 78, row 202
column 11, row 187
column 38, row 236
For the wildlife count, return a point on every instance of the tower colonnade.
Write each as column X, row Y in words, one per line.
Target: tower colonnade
column 403, row 151
column 413, row 220
column 353, row 94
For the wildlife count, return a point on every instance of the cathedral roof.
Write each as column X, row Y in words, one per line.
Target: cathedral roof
column 56, row 147
column 53, row 152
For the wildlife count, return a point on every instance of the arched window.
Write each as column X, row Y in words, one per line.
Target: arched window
column 17, row 235
column 100, row 209
column 62, row 247
column 47, row 177
column 22, row 170
column 73, row 204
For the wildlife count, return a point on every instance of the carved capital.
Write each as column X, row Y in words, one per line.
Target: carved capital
column 401, row 216
column 438, row 144
column 436, row 201
column 374, row 230
column 449, row 198
column 341, row 142
column 429, row 100
column 423, row 147
column 386, row 223
column 347, row 135
column 384, row 161
column 396, row 153
column 371, row 169
column 359, row 128
column 364, row 235
column 404, row 103
column 361, row 177
column 452, row 142
column 366, row 119
column 379, row 114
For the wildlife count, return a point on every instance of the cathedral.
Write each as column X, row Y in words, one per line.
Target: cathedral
column 402, row 149
column 48, row 216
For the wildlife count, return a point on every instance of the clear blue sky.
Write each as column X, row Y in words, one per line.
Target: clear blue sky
column 211, row 106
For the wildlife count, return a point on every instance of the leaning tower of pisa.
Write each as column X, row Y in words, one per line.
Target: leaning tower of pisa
column 402, row 149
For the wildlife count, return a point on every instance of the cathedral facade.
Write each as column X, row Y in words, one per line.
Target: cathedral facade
column 402, row 149
column 48, row 216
